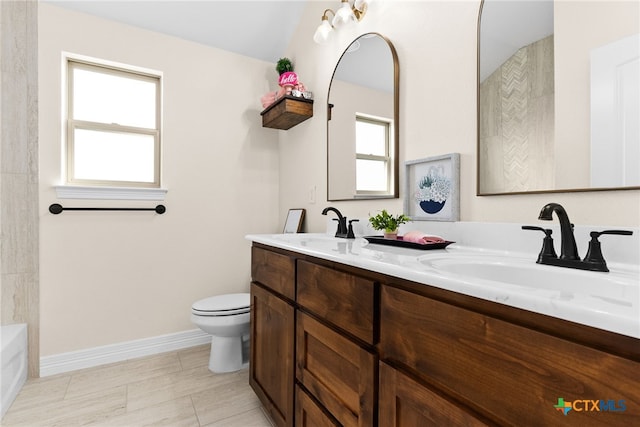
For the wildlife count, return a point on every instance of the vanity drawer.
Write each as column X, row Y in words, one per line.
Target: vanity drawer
column 274, row 270
column 336, row 371
column 345, row 300
column 405, row 402
column 511, row 374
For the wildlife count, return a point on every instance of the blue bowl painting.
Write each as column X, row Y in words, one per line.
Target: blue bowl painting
column 431, row 207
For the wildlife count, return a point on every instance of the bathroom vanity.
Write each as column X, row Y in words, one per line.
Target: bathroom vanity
column 354, row 334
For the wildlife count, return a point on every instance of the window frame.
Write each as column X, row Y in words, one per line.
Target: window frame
column 387, row 158
column 120, row 70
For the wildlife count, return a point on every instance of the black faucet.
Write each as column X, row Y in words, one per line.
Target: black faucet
column 594, row 261
column 568, row 246
column 342, row 222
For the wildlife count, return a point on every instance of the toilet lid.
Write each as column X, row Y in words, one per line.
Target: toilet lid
column 222, row 305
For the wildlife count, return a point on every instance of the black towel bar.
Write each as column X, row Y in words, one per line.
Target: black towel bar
column 56, row 209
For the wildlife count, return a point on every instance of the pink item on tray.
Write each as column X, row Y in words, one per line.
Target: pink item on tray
column 421, row 238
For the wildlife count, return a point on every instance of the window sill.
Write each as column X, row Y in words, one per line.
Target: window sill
column 110, row 193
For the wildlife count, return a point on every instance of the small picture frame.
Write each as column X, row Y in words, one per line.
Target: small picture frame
column 293, row 223
column 433, row 188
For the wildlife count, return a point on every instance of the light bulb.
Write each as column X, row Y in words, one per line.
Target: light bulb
column 323, row 32
column 344, row 15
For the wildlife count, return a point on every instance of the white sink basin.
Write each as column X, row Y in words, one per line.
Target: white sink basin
column 303, row 239
column 299, row 238
column 314, row 242
column 614, row 287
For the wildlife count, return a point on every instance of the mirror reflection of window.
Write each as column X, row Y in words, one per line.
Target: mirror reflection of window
column 364, row 86
column 373, row 156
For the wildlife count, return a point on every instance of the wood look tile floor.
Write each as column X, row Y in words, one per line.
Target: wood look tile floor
column 169, row 389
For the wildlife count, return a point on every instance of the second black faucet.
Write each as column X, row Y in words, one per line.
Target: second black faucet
column 569, row 257
column 342, row 230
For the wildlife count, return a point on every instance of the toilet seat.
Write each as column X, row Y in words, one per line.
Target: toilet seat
column 226, row 318
column 222, row 305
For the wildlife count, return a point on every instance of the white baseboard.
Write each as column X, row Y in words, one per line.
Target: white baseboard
column 65, row 362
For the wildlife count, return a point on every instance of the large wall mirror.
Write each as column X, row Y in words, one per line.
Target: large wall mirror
column 558, row 96
column 362, row 122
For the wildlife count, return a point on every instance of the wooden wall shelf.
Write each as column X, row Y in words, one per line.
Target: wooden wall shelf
column 287, row 112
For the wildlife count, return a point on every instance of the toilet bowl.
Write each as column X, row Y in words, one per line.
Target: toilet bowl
column 226, row 319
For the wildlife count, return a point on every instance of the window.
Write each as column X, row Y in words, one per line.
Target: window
column 113, row 126
column 373, row 156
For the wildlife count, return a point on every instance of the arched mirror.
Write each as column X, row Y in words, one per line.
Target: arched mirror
column 362, row 130
column 558, row 96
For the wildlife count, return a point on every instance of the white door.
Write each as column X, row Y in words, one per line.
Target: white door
column 615, row 114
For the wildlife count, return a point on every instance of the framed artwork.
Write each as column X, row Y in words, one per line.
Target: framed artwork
column 293, row 223
column 433, row 188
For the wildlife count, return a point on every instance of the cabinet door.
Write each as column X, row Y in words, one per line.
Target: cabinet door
column 271, row 367
column 309, row 414
column 336, row 371
column 406, row 403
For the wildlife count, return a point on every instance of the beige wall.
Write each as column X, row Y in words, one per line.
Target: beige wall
column 109, row 277
column 437, row 51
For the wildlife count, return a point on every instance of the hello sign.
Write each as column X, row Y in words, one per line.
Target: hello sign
column 288, row 79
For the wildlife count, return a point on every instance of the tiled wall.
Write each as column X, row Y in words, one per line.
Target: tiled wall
column 19, row 171
column 517, row 117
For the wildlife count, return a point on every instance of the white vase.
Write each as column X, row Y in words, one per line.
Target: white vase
column 393, row 235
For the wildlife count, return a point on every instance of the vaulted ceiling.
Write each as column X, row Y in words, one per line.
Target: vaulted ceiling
column 258, row 29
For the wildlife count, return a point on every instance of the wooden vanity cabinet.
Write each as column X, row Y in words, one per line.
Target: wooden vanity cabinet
column 334, row 345
column 509, row 374
column 271, row 368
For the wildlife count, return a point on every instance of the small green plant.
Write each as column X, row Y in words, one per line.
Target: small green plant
column 426, row 181
column 283, row 65
column 387, row 222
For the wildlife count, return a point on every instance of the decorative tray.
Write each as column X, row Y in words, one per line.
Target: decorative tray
column 401, row 243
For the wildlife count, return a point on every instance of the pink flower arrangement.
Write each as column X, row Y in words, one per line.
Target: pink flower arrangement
column 288, row 81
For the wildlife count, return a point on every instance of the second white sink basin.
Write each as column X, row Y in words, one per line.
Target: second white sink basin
column 615, row 287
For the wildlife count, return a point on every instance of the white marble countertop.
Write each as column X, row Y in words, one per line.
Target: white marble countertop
column 609, row 301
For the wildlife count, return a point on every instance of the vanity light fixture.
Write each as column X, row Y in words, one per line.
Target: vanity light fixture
column 345, row 15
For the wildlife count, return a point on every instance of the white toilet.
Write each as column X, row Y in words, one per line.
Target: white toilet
column 226, row 319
